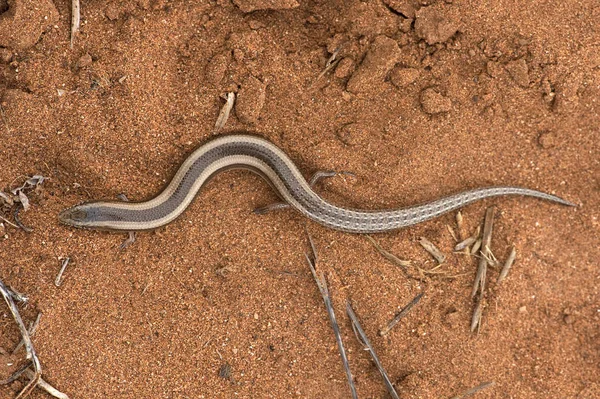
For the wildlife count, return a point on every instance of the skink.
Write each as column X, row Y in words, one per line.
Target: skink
column 270, row 162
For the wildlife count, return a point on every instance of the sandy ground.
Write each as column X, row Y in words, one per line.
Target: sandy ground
column 428, row 98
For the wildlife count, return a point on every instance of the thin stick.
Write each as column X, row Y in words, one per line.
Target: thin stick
column 365, row 341
column 390, row 256
column 475, row 247
column 27, row 229
column 9, row 222
column 459, row 223
column 47, row 387
column 432, row 249
column 75, row 19
column 507, row 265
column 400, row 315
column 322, row 284
column 468, row 241
column 225, row 110
column 58, row 280
column 15, row 376
column 32, row 330
column 331, row 62
column 477, row 313
column 452, row 233
column 474, row 390
column 37, row 368
column 485, row 248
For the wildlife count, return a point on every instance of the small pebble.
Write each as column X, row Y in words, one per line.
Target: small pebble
column 547, row 139
column 112, row 12
column 5, row 55
column 84, row 61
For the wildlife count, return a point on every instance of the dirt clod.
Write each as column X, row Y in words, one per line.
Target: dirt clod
column 254, row 5
column 402, row 77
column 24, row 22
column 250, row 100
column 433, row 102
column 371, row 73
column 344, row 68
column 519, row 72
column 435, row 25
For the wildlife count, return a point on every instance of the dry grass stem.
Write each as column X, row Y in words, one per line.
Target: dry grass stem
column 474, row 390
column 400, row 315
column 9, row 222
column 75, row 19
column 485, row 244
column 58, row 280
column 432, row 249
column 390, row 256
column 331, row 62
column 476, row 247
column 32, row 329
column 452, row 233
column 459, row 221
column 507, row 265
column 225, row 110
column 322, row 285
column 477, row 313
column 365, row 341
column 467, row 242
column 31, row 355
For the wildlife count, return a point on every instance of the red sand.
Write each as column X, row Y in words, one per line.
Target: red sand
column 471, row 94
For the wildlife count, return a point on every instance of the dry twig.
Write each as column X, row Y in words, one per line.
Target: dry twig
column 400, row 315
column 432, row 249
column 467, row 242
column 31, row 355
column 32, row 329
column 507, row 265
column 390, row 256
column 225, row 110
column 47, row 387
column 474, row 390
column 485, row 249
column 365, row 341
column 75, row 19
column 322, row 285
column 58, row 280
column 482, row 269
